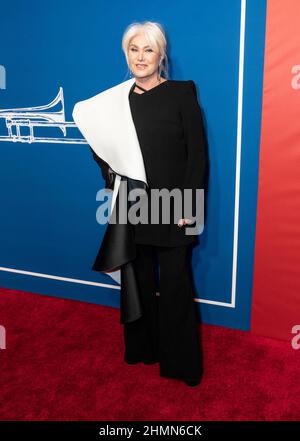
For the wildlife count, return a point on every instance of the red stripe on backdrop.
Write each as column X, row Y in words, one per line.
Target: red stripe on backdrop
column 276, row 284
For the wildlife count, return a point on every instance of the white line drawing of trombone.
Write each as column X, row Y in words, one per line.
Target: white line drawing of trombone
column 39, row 116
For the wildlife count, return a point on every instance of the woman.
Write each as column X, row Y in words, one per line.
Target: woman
column 169, row 129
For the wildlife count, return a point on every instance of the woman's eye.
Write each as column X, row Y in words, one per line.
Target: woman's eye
column 134, row 50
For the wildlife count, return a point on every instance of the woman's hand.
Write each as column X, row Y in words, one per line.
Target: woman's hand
column 182, row 222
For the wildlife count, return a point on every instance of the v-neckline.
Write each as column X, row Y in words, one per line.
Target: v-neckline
column 147, row 92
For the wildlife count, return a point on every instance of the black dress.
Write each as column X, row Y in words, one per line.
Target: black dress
column 169, row 127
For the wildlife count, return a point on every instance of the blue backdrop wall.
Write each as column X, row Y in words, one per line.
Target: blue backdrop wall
column 65, row 51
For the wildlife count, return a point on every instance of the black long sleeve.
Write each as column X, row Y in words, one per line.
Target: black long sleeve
column 194, row 134
column 107, row 176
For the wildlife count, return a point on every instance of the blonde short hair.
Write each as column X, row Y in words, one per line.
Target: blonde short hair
column 155, row 35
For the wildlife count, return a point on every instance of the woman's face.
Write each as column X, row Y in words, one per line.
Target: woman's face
column 143, row 60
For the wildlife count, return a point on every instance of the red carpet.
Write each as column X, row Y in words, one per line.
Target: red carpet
column 64, row 361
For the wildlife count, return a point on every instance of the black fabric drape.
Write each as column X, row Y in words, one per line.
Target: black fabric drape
column 118, row 249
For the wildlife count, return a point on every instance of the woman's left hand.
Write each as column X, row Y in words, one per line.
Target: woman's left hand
column 182, row 222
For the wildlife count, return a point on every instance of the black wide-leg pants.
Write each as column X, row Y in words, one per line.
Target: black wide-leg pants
column 167, row 332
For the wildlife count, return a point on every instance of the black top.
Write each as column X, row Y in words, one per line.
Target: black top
column 169, row 127
column 170, row 131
